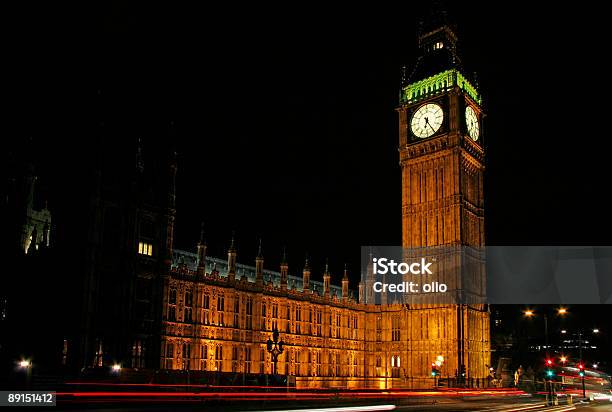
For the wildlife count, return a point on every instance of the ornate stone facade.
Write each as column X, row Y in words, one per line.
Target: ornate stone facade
column 218, row 315
column 212, row 322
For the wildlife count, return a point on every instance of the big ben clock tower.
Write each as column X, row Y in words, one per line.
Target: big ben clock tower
column 442, row 164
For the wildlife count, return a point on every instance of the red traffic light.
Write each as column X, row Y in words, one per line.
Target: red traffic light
column 549, row 362
column 580, row 366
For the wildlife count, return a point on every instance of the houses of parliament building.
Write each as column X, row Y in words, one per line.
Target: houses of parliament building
column 182, row 310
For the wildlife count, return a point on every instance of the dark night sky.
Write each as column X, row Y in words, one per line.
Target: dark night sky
column 285, row 117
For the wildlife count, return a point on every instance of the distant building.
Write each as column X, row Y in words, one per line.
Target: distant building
column 24, row 209
column 36, row 230
column 25, row 238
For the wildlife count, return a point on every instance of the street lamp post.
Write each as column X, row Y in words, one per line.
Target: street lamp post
column 26, row 366
column 560, row 312
column 546, row 333
column 275, row 347
column 530, row 313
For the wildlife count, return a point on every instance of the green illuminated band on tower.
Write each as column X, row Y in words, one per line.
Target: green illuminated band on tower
column 436, row 84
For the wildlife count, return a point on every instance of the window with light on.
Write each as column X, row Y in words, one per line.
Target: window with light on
column 145, row 249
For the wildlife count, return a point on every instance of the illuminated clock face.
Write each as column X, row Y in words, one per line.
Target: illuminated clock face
column 471, row 120
column 427, row 120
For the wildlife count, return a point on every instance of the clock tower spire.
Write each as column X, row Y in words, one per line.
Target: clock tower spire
column 440, row 146
column 442, row 165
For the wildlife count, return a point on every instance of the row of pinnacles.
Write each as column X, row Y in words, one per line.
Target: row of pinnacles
column 260, row 281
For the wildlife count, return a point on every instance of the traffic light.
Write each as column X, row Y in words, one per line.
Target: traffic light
column 581, row 369
column 550, row 372
column 434, row 369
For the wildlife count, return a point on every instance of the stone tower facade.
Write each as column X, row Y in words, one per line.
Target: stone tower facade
column 442, row 165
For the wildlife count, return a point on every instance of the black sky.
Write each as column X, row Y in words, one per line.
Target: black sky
column 285, row 115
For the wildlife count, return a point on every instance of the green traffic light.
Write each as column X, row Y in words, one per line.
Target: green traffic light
column 550, row 373
column 581, row 374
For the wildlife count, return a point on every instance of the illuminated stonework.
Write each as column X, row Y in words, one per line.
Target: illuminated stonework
column 217, row 321
column 214, row 323
column 218, row 315
column 437, row 84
